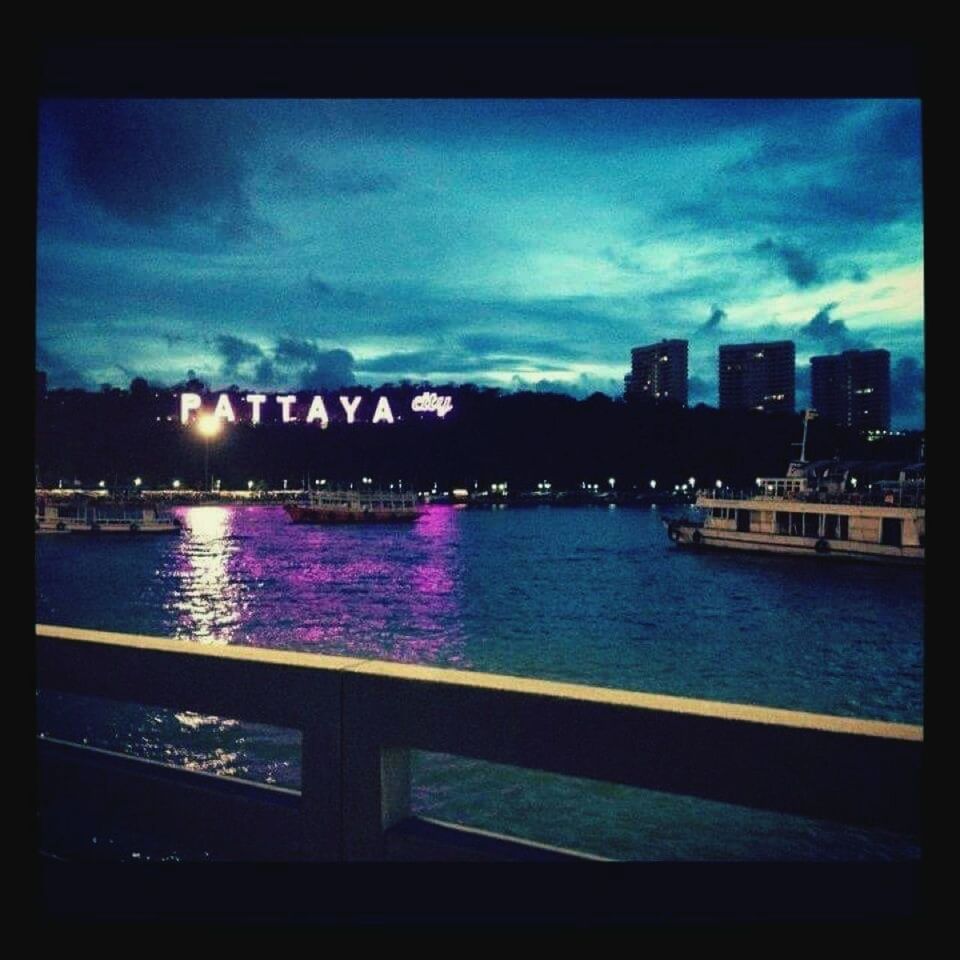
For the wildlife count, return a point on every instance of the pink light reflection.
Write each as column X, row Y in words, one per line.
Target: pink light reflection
column 378, row 591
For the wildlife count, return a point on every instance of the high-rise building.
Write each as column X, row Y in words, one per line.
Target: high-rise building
column 658, row 373
column 852, row 389
column 758, row 376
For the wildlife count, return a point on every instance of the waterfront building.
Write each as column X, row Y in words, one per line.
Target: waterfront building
column 852, row 389
column 658, row 373
column 758, row 376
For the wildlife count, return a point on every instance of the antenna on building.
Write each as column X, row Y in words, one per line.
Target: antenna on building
column 808, row 415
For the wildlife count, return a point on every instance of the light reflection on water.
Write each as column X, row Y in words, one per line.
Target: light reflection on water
column 251, row 577
column 209, row 603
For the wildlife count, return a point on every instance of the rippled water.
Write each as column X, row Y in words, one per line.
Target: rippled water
column 590, row 595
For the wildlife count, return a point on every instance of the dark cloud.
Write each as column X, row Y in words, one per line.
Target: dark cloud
column 289, row 352
column 318, row 286
column 265, row 373
column 771, row 154
column 60, row 373
column 311, row 367
column 907, row 391
column 858, row 202
column 831, row 334
column 496, row 343
column 581, row 388
column 622, row 261
column 329, row 369
column 859, row 274
column 717, row 316
column 799, row 266
column 299, row 177
column 235, row 353
column 427, row 362
column 156, row 163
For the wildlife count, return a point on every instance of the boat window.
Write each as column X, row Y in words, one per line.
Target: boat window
column 891, row 531
column 743, row 521
column 718, row 512
column 843, row 531
column 811, row 524
column 796, row 524
column 783, row 522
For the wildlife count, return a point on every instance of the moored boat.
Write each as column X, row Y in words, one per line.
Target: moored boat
column 354, row 506
column 799, row 514
column 816, row 510
column 80, row 514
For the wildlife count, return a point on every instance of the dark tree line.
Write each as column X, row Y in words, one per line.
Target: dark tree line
column 490, row 436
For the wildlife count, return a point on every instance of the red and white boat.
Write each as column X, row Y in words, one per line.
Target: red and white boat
column 352, row 506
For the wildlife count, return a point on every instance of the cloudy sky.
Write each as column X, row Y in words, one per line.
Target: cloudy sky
column 284, row 244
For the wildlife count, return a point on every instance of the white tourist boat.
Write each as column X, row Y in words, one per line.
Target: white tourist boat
column 79, row 514
column 819, row 510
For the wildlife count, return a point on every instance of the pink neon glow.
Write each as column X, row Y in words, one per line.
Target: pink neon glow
column 245, row 572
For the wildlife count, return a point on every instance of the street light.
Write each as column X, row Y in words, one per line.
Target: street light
column 653, row 484
column 209, row 426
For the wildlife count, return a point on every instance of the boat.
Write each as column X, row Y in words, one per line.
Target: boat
column 81, row 514
column 817, row 510
column 354, row 506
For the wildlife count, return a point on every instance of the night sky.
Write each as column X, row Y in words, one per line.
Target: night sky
column 297, row 244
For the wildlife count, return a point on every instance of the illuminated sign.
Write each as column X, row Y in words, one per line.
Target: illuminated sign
column 253, row 404
column 431, row 403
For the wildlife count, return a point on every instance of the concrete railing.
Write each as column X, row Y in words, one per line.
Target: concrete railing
column 359, row 720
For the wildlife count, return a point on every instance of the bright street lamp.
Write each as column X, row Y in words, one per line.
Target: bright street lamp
column 209, row 426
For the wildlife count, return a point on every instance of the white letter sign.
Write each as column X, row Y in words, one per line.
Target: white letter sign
column 317, row 411
column 350, row 407
column 257, row 400
column 223, row 409
column 383, row 411
column 188, row 402
column 287, row 402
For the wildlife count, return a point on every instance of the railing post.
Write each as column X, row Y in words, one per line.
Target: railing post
column 321, row 789
column 376, row 795
column 376, row 777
